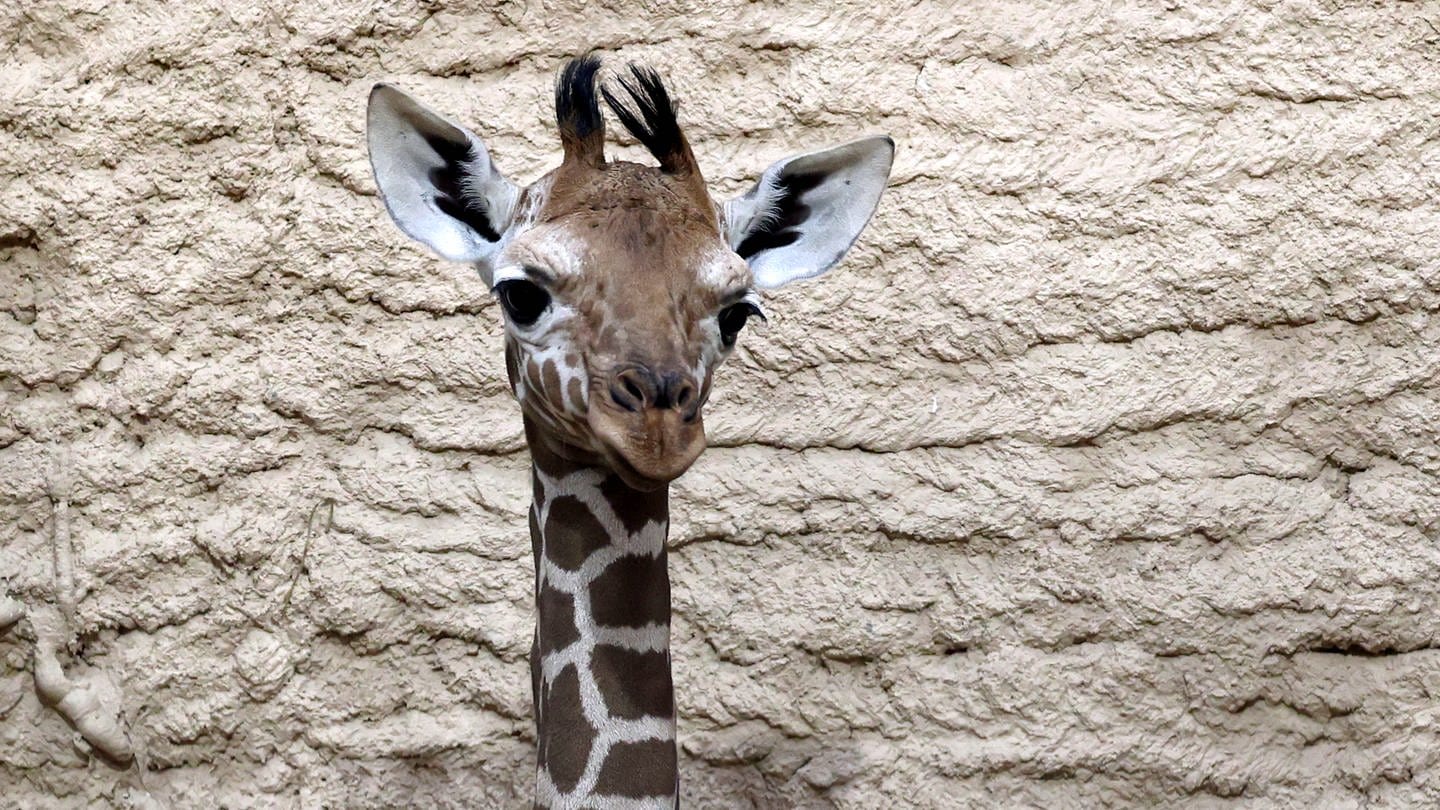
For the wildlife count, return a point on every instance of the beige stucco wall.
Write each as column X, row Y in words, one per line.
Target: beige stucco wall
column 1103, row 472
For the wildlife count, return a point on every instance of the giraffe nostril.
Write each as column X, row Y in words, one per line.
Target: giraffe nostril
column 623, row 398
column 633, row 390
column 628, row 390
column 675, row 390
column 684, row 395
column 637, row 388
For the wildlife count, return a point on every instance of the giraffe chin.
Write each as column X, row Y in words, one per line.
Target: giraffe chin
column 650, row 449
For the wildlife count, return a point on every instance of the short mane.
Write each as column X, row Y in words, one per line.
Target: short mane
column 577, row 110
column 649, row 115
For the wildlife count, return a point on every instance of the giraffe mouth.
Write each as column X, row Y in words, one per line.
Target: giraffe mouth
column 632, row 477
column 648, row 449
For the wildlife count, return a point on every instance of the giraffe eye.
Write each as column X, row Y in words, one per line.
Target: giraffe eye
column 732, row 320
column 523, row 301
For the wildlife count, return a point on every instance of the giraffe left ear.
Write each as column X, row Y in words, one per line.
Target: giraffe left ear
column 437, row 180
column 806, row 211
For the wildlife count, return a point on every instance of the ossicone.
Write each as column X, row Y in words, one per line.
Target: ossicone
column 577, row 111
column 640, row 102
column 649, row 114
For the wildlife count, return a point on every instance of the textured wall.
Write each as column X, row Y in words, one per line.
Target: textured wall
column 1105, row 471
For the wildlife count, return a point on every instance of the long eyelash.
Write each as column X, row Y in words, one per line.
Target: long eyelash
column 756, row 309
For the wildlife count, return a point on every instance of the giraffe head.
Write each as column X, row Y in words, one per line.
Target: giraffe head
column 623, row 285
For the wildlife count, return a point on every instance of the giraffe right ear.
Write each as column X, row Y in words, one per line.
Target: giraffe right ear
column 806, row 211
column 436, row 179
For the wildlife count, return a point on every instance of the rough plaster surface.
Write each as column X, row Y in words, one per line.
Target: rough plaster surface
column 1104, row 472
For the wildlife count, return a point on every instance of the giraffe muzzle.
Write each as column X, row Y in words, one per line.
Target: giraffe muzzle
column 635, row 388
column 649, row 424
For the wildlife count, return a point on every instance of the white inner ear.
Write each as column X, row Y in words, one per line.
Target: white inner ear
column 424, row 164
column 806, row 211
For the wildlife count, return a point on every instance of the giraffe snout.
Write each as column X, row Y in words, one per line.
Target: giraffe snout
column 652, row 430
column 637, row 388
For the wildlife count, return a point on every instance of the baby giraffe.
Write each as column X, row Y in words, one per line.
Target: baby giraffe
column 623, row 287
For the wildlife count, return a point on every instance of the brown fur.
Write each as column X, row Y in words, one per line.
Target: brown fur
column 639, row 245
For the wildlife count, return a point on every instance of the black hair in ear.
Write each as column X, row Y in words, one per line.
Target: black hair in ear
column 781, row 225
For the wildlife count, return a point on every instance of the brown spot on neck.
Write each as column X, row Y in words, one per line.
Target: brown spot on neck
column 638, row 770
column 565, row 736
column 571, row 532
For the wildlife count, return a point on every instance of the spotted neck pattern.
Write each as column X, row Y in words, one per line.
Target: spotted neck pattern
column 600, row 665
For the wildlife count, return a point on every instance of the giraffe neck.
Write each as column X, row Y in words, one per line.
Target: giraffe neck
column 604, row 699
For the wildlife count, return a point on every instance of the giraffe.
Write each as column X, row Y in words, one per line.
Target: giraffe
column 622, row 286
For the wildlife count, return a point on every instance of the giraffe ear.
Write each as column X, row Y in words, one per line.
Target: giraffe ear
column 806, row 211
column 436, row 179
